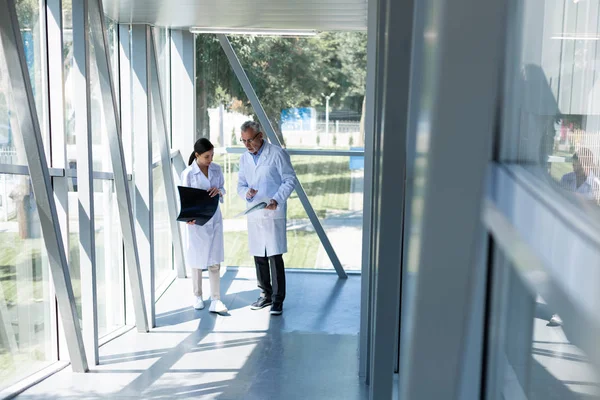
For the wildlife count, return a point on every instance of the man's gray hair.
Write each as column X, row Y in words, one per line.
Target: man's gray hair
column 255, row 126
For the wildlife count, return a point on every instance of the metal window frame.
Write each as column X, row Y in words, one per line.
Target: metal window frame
column 54, row 26
column 301, row 152
column 85, row 179
column 266, row 125
column 156, row 98
column 124, row 200
column 28, row 123
column 524, row 225
column 392, row 92
column 141, row 125
column 183, row 96
column 446, row 282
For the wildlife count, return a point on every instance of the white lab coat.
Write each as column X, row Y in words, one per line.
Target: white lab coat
column 203, row 245
column 274, row 178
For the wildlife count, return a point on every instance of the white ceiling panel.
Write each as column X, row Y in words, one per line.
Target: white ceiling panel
column 324, row 15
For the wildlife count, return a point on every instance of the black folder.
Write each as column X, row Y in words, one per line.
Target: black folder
column 196, row 204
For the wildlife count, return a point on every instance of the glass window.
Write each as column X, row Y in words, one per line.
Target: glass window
column 100, row 146
column 68, row 64
column 74, row 253
column 163, row 242
column 298, row 111
column 26, row 302
column 551, row 118
column 30, row 20
column 314, row 92
column 163, row 247
column 110, row 270
column 163, row 55
column 536, row 356
column 334, row 185
column 31, row 14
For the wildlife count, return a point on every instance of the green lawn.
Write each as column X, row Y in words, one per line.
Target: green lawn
column 302, row 249
column 326, row 181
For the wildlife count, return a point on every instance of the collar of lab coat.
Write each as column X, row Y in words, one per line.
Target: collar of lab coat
column 196, row 169
column 264, row 153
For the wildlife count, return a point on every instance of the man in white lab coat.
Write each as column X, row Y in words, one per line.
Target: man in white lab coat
column 266, row 175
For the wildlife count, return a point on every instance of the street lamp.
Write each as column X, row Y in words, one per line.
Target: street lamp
column 327, row 111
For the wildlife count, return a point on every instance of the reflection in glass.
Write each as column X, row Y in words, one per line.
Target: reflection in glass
column 536, row 356
column 553, row 128
column 25, row 302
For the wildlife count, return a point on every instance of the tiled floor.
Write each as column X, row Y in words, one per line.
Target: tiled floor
column 310, row 352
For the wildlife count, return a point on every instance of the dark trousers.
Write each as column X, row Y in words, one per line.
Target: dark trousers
column 267, row 267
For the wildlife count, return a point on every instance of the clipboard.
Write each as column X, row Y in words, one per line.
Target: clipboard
column 196, row 204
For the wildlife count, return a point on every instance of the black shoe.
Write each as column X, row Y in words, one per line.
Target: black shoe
column 262, row 302
column 277, row 309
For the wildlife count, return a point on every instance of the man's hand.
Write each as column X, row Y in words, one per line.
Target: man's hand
column 192, row 222
column 212, row 192
column 272, row 205
column 251, row 193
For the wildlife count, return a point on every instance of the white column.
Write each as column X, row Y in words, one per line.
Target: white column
column 85, row 180
column 142, row 163
column 182, row 89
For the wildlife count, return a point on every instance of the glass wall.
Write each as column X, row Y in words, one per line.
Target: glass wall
column 110, row 274
column 552, row 114
column 535, row 357
column 29, row 333
column 26, row 301
column 550, row 142
column 334, row 185
column 298, row 103
column 163, row 241
column 31, row 15
column 314, row 92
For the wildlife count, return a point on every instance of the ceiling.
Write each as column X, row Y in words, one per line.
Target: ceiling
column 322, row 15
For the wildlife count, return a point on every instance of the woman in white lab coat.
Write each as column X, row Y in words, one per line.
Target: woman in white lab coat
column 204, row 244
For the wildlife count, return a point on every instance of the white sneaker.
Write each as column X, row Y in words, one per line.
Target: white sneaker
column 555, row 321
column 199, row 303
column 217, row 306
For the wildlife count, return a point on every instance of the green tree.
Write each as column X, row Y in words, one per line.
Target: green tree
column 285, row 73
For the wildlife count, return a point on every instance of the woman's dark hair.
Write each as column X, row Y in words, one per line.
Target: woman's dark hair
column 202, row 145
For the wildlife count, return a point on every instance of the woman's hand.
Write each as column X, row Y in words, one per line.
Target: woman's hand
column 192, row 222
column 212, row 192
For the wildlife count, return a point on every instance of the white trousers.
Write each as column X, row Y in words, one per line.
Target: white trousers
column 214, row 277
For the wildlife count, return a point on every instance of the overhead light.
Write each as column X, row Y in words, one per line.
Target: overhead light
column 250, row 31
column 567, row 37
